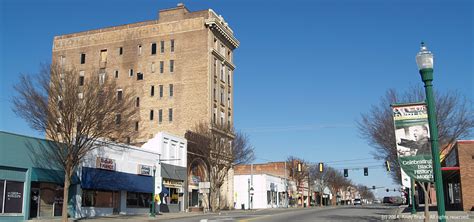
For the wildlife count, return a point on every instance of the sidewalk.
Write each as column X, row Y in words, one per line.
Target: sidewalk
column 138, row 218
column 404, row 214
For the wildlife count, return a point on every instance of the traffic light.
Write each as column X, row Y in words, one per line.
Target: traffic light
column 346, row 172
column 321, row 167
column 366, row 171
column 387, row 190
column 373, row 187
column 387, row 165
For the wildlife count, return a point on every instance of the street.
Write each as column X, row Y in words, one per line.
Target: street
column 345, row 213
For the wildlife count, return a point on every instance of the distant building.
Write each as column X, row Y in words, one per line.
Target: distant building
column 264, row 191
column 297, row 192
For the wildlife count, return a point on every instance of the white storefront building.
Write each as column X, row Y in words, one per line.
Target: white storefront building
column 118, row 178
column 268, row 191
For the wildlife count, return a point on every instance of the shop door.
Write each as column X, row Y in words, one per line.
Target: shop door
column 34, row 202
column 116, row 202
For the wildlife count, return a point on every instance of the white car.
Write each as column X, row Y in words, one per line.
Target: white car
column 357, row 201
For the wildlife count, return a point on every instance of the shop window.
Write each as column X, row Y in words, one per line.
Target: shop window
column 2, row 187
column 11, row 196
column 138, row 200
column 97, row 198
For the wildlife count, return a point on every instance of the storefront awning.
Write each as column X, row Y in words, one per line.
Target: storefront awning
column 98, row 179
column 51, row 176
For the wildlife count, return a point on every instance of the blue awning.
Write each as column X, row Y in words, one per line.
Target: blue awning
column 165, row 190
column 99, row 179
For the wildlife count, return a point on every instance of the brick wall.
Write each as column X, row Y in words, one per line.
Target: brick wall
column 466, row 163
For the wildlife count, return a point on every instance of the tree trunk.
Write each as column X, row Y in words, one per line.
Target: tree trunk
column 427, row 201
column 321, row 198
column 67, row 184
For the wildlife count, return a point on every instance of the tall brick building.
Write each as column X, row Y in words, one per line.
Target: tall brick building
column 179, row 68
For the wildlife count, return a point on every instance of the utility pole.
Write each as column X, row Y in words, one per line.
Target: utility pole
column 286, row 188
column 248, row 206
column 251, row 185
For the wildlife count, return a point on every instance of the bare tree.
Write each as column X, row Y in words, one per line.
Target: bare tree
column 365, row 192
column 299, row 175
column 454, row 115
column 219, row 155
column 74, row 112
column 243, row 151
column 336, row 181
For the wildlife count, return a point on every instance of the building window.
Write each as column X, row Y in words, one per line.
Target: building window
column 172, row 45
column 222, row 118
column 116, row 74
column 101, row 76
column 151, row 114
column 139, row 76
column 119, row 95
column 81, row 78
column 153, row 67
column 161, row 91
column 153, row 48
column 228, row 99
column 162, row 66
column 83, row 58
column 171, row 90
column 214, row 94
column 103, row 55
column 130, row 72
column 137, row 102
column 171, row 65
column 170, row 114
column 118, row 118
column 222, row 73
column 152, row 91
column 222, row 96
column 162, row 46
column 160, row 116
column 96, row 198
column 11, row 197
column 120, row 50
column 215, row 67
column 136, row 126
column 214, row 116
column 139, row 49
column 138, row 200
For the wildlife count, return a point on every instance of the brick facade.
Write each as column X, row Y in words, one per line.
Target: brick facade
column 192, row 41
column 465, row 151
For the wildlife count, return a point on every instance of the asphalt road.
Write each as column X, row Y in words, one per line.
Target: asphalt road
column 343, row 213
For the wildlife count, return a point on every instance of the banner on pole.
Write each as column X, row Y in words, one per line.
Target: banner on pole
column 413, row 143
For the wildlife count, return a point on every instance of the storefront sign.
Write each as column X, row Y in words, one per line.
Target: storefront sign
column 413, row 145
column 105, row 163
column 145, row 170
column 203, row 185
column 172, row 183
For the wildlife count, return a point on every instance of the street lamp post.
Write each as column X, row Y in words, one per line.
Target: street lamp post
column 153, row 195
column 424, row 60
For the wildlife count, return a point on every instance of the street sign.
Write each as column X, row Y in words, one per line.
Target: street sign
column 205, row 185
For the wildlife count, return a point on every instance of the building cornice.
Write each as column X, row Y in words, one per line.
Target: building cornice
column 217, row 25
column 223, row 59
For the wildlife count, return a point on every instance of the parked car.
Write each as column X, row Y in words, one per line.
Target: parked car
column 377, row 201
column 357, row 201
